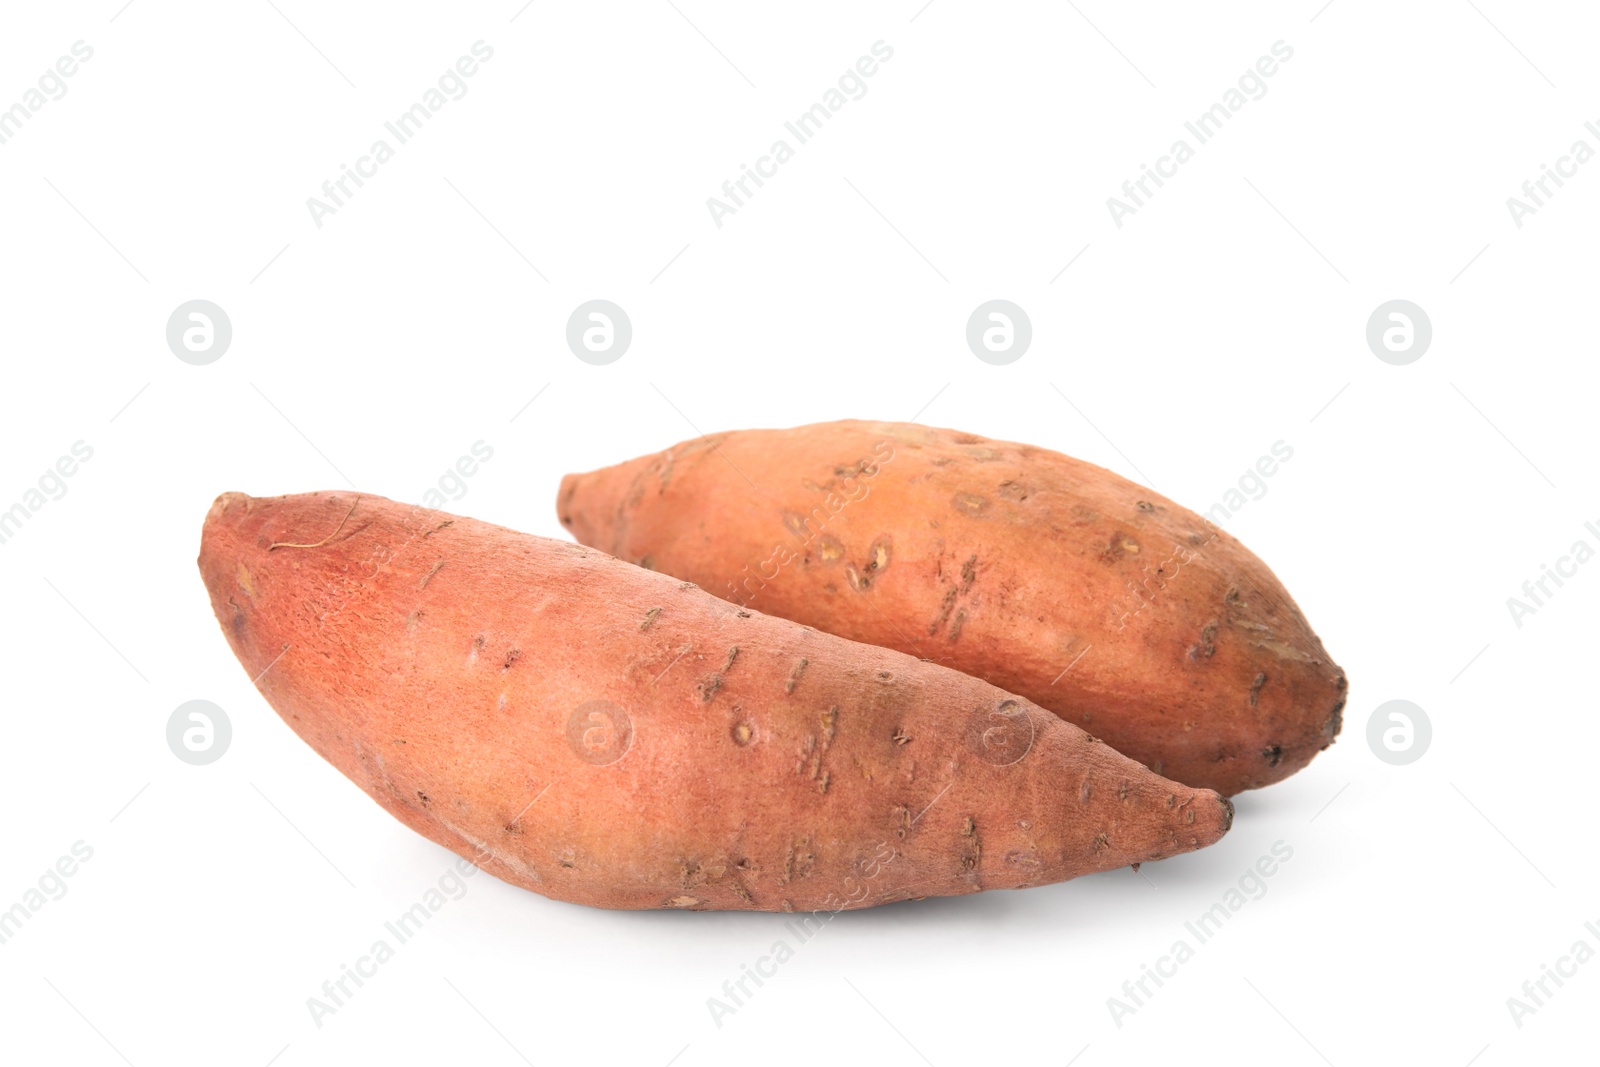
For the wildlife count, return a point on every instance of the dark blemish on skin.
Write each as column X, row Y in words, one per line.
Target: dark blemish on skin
column 708, row 687
column 436, row 529
column 743, row 733
column 1011, row 490
column 945, row 607
column 794, row 675
column 422, row 797
column 1145, row 505
column 956, row 624
column 733, row 654
column 1101, row 842
column 970, row 504
column 649, row 617
column 511, row 657
column 1255, row 688
column 648, row 563
column 1272, row 755
column 742, row 614
column 1207, row 645
column 829, row 719
column 426, row 578
column 1335, row 719
column 969, row 573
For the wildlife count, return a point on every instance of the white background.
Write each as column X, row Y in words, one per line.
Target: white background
column 1226, row 315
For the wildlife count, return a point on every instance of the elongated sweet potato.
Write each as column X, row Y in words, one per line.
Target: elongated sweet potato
column 1098, row 599
column 603, row 735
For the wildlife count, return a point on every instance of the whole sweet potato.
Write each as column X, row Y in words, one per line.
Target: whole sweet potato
column 1098, row 599
column 604, row 735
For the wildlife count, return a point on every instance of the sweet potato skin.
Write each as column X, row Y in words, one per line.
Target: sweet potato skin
column 1112, row 606
column 604, row 735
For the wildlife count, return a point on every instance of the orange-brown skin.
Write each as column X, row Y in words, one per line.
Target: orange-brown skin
column 1096, row 598
column 448, row 667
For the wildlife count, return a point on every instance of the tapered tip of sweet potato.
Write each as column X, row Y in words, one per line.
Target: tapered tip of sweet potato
column 1213, row 816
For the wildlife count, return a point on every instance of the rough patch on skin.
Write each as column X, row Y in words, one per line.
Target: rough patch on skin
column 956, row 624
column 970, row 504
column 946, row 606
column 794, row 675
column 649, row 617
column 973, row 848
column 858, row 581
column 1255, row 688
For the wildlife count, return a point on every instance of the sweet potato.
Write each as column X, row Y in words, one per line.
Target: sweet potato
column 1098, row 599
column 604, row 735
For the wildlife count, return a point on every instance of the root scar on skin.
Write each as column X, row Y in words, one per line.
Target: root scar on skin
column 325, row 540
